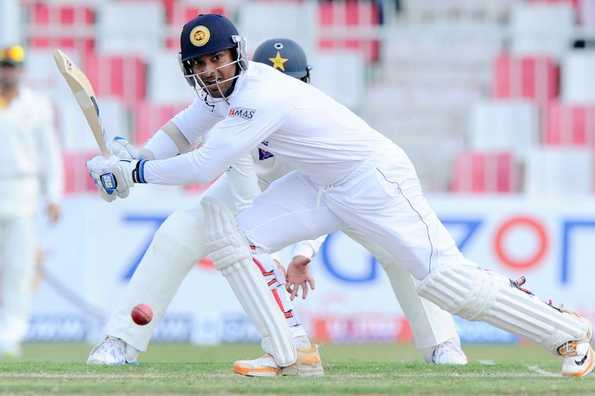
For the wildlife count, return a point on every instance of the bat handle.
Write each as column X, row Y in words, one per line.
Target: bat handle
column 105, row 151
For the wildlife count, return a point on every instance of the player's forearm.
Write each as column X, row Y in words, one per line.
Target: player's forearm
column 187, row 168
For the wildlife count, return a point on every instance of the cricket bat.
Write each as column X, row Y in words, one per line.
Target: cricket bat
column 85, row 96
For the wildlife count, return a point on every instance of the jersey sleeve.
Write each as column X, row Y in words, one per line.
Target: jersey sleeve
column 241, row 131
column 195, row 120
column 308, row 248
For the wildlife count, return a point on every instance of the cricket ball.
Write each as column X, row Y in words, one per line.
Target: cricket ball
column 141, row 314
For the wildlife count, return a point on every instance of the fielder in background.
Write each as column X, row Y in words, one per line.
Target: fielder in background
column 348, row 177
column 31, row 169
column 178, row 244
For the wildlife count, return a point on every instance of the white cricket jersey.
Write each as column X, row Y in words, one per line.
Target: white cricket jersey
column 303, row 127
column 29, row 155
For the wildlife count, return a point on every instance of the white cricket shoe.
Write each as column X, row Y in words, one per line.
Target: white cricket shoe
column 113, row 351
column 578, row 355
column 578, row 358
column 308, row 364
column 449, row 352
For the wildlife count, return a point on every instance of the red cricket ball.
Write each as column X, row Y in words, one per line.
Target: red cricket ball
column 141, row 314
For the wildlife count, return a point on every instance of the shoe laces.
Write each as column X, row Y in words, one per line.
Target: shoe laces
column 568, row 349
column 444, row 348
column 113, row 345
column 440, row 350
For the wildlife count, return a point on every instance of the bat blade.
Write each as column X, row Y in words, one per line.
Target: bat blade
column 85, row 96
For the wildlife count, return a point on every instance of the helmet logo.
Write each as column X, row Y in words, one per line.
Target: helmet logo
column 200, row 35
column 278, row 61
column 15, row 54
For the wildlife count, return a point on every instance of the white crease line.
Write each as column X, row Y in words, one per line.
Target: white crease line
column 539, row 370
column 487, row 362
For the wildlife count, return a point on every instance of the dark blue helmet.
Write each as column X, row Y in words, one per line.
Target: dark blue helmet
column 285, row 55
column 208, row 34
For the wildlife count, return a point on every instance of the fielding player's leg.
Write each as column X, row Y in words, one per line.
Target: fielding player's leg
column 433, row 328
column 17, row 269
column 386, row 202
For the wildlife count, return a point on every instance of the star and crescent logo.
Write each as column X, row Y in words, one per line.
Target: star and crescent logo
column 200, row 35
column 278, row 61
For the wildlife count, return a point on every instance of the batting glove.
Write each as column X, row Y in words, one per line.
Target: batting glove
column 114, row 177
column 121, row 148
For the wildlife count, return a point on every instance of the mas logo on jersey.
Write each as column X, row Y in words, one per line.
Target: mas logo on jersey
column 241, row 112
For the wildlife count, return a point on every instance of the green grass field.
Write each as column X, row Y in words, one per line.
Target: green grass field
column 350, row 369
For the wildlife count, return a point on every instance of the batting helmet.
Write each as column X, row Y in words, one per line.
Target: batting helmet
column 285, row 55
column 207, row 34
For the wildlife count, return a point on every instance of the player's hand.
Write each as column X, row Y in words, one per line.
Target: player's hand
column 112, row 176
column 298, row 277
column 53, row 212
column 121, row 148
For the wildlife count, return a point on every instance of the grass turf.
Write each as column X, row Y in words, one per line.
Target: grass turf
column 350, row 369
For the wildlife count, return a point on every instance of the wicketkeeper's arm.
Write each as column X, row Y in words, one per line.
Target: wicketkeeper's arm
column 308, row 248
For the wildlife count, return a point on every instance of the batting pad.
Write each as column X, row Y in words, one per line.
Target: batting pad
column 230, row 251
column 477, row 294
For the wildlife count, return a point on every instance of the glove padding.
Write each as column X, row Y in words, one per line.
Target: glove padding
column 112, row 175
column 121, row 148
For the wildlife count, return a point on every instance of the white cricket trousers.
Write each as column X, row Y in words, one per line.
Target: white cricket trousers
column 17, row 268
column 380, row 202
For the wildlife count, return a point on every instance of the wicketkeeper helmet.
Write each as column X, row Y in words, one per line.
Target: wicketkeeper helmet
column 285, row 55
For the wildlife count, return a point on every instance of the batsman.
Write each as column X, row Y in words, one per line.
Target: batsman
column 347, row 176
column 180, row 242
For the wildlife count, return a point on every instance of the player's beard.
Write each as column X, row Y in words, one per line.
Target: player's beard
column 218, row 90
